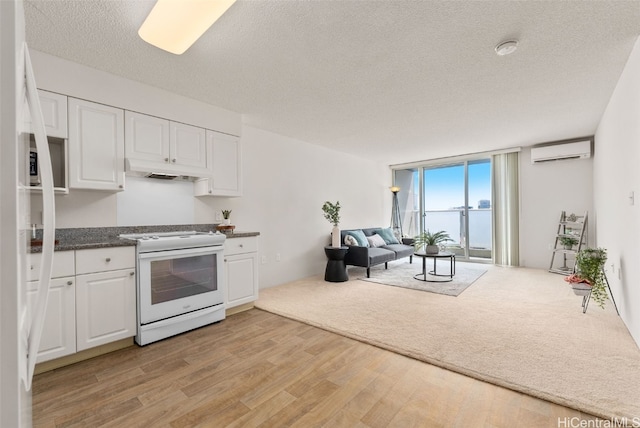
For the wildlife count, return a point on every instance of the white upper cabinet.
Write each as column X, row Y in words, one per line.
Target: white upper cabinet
column 225, row 162
column 96, row 146
column 54, row 113
column 188, row 145
column 146, row 137
column 160, row 145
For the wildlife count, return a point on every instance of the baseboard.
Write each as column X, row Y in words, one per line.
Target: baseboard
column 239, row 308
column 83, row 355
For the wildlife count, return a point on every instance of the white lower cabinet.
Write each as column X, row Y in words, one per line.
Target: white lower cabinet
column 59, row 331
column 241, row 270
column 105, row 307
column 92, row 299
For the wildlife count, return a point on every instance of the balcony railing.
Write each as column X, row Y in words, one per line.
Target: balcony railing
column 452, row 221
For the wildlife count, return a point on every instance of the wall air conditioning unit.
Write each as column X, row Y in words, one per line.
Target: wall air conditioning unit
column 573, row 150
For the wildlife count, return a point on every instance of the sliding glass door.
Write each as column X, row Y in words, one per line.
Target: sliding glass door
column 455, row 198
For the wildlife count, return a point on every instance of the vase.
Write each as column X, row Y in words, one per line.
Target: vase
column 335, row 237
column 227, row 221
column 432, row 249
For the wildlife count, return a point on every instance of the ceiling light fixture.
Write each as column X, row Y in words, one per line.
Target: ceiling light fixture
column 506, row 48
column 174, row 25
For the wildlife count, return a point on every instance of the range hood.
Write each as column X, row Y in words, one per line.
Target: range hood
column 145, row 168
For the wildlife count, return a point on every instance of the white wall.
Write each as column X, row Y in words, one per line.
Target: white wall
column 616, row 175
column 286, row 181
column 547, row 189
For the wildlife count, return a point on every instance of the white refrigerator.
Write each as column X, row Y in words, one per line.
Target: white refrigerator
column 20, row 325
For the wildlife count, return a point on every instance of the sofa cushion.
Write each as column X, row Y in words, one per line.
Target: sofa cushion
column 380, row 255
column 400, row 250
column 376, row 241
column 350, row 240
column 388, row 235
column 359, row 236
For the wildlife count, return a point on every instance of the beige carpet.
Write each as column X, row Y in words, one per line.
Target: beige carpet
column 519, row 328
column 401, row 274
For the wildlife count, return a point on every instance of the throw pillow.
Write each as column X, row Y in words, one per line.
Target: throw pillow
column 387, row 235
column 376, row 241
column 359, row 237
column 350, row 240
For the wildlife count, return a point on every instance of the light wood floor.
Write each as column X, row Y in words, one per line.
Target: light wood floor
column 260, row 369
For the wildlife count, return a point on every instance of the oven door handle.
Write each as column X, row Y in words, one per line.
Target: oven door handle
column 198, row 251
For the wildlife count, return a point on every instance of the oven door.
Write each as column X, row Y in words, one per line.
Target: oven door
column 175, row 282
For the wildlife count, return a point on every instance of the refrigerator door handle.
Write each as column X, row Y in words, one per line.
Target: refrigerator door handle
column 48, row 220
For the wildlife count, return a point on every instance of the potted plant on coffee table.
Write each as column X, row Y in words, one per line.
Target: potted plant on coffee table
column 428, row 241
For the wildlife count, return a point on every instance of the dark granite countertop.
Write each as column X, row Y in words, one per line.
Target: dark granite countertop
column 101, row 237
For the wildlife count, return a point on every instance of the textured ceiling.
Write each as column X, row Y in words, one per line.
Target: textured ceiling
column 394, row 81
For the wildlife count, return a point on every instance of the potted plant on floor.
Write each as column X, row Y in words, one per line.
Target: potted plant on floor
column 568, row 242
column 332, row 214
column 590, row 270
column 428, row 241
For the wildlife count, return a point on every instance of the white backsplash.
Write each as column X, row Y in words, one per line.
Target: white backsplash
column 149, row 201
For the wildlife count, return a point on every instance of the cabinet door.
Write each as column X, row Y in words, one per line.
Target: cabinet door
column 59, row 332
column 54, row 113
column 242, row 279
column 146, row 137
column 226, row 164
column 188, row 146
column 105, row 307
column 96, row 146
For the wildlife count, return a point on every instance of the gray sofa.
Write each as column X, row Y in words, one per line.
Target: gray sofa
column 370, row 256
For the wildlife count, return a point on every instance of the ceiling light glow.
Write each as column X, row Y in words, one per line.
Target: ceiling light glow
column 174, row 25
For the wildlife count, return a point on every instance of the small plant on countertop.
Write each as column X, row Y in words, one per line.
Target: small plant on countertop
column 226, row 214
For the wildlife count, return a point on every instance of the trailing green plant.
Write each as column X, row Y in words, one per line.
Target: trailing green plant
column 590, row 267
column 332, row 212
column 226, row 214
column 428, row 238
column 568, row 241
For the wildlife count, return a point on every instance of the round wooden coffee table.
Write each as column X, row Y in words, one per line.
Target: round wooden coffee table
column 435, row 257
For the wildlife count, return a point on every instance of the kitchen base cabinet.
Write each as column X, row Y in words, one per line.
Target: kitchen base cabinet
column 59, row 331
column 241, row 270
column 91, row 304
column 105, row 307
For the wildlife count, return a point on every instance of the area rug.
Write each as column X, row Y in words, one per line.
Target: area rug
column 401, row 274
column 519, row 328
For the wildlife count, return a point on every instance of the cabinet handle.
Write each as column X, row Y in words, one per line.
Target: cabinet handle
column 131, row 273
column 121, row 186
column 241, row 246
column 210, row 191
column 31, row 267
column 108, row 259
column 69, row 282
column 225, row 260
column 166, row 159
column 173, row 160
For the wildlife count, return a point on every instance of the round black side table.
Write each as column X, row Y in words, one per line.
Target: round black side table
column 336, row 270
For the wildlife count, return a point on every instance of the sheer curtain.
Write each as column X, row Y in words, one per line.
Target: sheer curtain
column 506, row 203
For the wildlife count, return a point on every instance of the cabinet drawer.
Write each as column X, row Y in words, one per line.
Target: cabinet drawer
column 104, row 259
column 63, row 265
column 240, row 245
